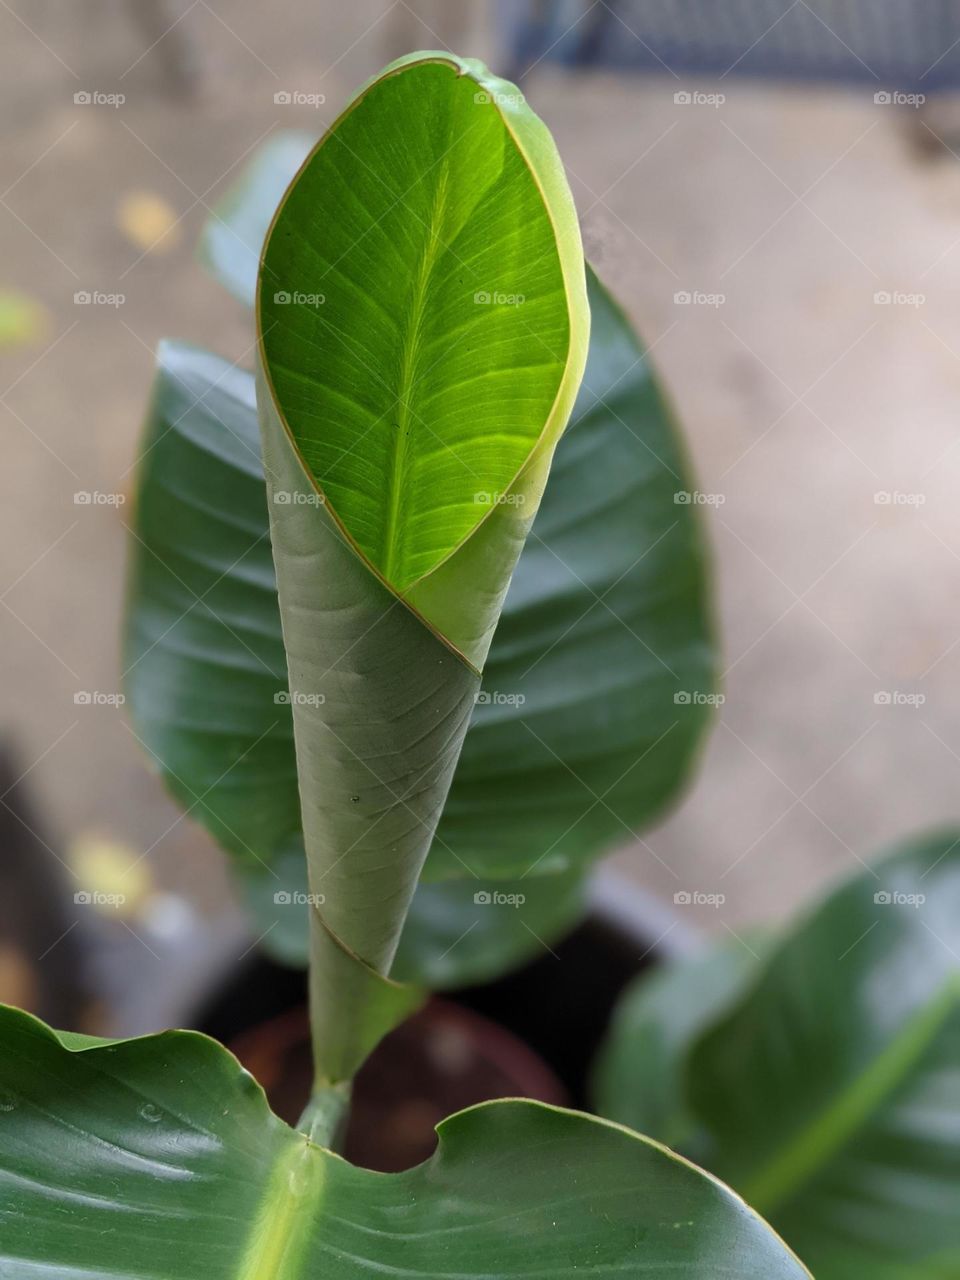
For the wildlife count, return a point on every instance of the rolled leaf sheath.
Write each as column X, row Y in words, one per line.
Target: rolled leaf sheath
column 380, row 709
column 423, row 328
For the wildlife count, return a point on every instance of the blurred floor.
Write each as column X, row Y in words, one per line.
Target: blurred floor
column 801, row 398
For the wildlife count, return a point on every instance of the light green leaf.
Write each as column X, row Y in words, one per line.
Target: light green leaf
column 423, row 349
column 158, row 1159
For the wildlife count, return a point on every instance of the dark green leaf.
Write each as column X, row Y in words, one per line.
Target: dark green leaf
column 829, row 1092
column 158, row 1159
column 592, row 690
column 639, row 1078
column 583, row 740
column 595, row 641
column 457, row 933
column 205, row 668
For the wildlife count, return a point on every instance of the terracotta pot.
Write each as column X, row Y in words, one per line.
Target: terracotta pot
column 439, row 1061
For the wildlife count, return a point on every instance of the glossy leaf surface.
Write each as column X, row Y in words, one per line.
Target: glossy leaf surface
column 828, row 1091
column 639, row 1077
column 158, row 1159
column 568, row 679
column 647, row 617
column 457, row 933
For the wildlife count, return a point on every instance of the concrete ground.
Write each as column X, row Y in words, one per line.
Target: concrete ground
column 801, row 398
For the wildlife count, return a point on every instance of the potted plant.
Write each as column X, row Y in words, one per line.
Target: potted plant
column 391, row 396
column 595, row 695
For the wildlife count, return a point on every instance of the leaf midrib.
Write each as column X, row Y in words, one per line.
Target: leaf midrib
column 790, row 1169
column 396, row 479
column 289, row 1208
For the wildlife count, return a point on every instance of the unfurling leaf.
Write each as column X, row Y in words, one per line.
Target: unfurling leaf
column 423, row 328
column 606, row 618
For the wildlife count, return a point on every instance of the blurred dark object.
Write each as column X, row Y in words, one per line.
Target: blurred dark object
column 42, row 944
column 161, row 23
column 439, row 1061
column 894, row 43
column 532, row 1033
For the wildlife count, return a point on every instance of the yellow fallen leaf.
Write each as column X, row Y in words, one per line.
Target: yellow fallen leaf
column 148, row 221
column 110, row 875
column 23, row 320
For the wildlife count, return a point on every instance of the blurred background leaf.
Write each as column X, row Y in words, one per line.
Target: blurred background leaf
column 825, row 1082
